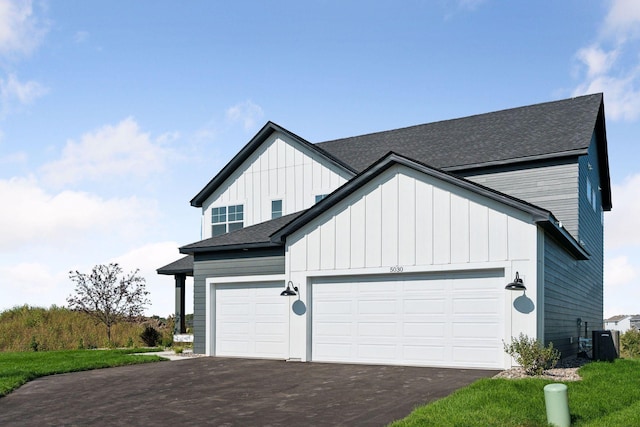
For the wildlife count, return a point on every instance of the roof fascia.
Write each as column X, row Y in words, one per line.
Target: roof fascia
column 566, row 240
column 267, row 130
column 223, row 248
column 519, row 160
column 603, row 159
column 385, row 163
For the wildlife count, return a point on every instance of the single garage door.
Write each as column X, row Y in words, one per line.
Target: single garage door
column 252, row 320
column 436, row 320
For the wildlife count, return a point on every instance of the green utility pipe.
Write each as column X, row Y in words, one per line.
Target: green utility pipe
column 557, row 403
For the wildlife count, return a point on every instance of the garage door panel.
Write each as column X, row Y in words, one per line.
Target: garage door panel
column 331, row 306
column 476, row 330
column 335, row 329
column 424, row 330
column 476, row 306
column 423, row 306
column 410, row 320
column 376, row 352
column 474, row 355
column 377, row 306
column 252, row 320
column 423, row 354
column 377, row 329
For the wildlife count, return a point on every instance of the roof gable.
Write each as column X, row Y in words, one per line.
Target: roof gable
column 267, row 130
column 539, row 215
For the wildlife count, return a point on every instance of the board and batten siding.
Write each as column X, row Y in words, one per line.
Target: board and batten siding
column 574, row 289
column 280, row 169
column 405, row 218
column 552, row 186
column 250, row 264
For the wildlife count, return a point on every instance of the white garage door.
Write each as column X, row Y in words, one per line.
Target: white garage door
column 433, row 320
column 252, row 320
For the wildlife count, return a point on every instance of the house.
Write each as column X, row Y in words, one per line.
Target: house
column 395, row 247
column 622, row 323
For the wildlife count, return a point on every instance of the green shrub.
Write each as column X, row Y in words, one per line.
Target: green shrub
column 531, row 355
column 34, row 344
column 630, row 343
column 150, row 336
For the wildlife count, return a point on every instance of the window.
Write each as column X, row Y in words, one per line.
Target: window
column 320, row 197
column 276, row 209
column 226, row 219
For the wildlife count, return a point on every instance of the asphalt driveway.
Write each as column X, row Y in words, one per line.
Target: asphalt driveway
column 229, row 392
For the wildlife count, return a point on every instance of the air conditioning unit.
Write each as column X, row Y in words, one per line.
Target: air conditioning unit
column 606, row 345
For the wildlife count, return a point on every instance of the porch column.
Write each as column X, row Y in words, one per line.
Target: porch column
column 180, row 327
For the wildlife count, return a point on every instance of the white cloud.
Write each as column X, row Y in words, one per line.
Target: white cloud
column 30, row 278
column 161, row 288
column 13, row 158
column 246, row 113
column 30, row 215
column 111, row 151
column 597, row 60
column 13, row 92
column 81, row 37
column 622, row 20
column 621, row 293
column 619, row 271
column 20, row 29
column 621, row 224
column 611, row 64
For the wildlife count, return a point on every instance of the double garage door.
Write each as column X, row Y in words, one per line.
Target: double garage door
column 423, row 320
column 433, row 320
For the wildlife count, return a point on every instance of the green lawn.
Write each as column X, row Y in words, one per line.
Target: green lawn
column 18, row 368
column 608, row 395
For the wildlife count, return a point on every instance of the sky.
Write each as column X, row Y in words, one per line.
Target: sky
column 114, row 114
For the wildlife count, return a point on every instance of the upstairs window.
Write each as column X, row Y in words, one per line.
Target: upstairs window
column 276, row 209
column 591, row 195
column 320, row 197
column 225, row 219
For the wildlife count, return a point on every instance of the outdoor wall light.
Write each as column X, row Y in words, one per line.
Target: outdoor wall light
column 289, row 292
column 516, row 285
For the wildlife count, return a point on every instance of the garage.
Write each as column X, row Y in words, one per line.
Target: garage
column 252, row 320
column 448, row 320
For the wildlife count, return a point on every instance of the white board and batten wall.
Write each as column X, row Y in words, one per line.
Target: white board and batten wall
column 280, row 169
column 421, row 262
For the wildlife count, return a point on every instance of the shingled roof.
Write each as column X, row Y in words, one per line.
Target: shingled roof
column 519, row 134
column 255, row 236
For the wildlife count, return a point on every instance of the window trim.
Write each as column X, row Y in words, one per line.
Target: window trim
column 277, row 213
column 224, row 215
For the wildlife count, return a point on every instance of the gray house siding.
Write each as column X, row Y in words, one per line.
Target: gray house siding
column 574, row 289
column 552, row 186
column 250, row 263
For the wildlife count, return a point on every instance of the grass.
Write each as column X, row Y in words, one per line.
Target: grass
column 19, row 368
column 608, row 395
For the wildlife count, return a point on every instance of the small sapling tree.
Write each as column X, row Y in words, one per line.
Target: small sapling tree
column 108, row 295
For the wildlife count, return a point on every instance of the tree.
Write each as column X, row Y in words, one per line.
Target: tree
column 106, row 296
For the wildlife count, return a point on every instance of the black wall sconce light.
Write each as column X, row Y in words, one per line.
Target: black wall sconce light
column 289, row 292
column 516, row 285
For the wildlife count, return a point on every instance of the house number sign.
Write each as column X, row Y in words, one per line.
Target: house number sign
column 396, row 269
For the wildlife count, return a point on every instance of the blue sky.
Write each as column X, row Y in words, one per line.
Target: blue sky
column 114, row 114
